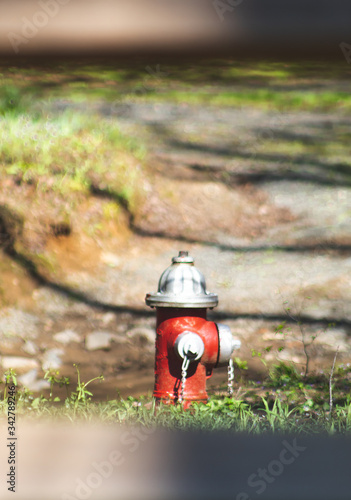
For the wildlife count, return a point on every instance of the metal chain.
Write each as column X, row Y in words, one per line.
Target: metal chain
column 185, row 367
column 230, row 378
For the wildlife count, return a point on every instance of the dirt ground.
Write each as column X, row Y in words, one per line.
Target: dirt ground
column 270, row 231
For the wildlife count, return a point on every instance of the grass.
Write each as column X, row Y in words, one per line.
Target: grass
column 220, row 413
column 291, row 404
column 331, row 150
column 64, row 153
column 63, row 171
column 260, row 98
column 265, row 85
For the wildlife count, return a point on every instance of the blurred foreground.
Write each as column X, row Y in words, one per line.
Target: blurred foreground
column 67, row 462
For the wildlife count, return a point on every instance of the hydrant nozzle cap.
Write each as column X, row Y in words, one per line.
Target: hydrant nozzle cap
column 182, row 285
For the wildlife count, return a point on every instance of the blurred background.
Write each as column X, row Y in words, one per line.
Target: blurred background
column 130, row 131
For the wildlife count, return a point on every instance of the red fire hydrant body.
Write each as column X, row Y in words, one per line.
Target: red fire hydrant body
column 188, row 346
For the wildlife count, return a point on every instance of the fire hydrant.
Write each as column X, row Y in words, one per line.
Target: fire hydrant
column 188, row 346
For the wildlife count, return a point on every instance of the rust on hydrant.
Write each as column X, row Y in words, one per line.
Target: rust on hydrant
column 188, row 346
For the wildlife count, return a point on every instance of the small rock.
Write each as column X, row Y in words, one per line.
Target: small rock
column 30, row 348
column 271, row 336
column 18, row 363
column 51, row 359
column 110, row 259
column 31, row 382
column 66, row 337
column 107, row 318
column 28, row 378
column 98, row 340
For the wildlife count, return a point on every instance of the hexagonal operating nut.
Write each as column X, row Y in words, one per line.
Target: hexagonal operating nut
column 189, row 344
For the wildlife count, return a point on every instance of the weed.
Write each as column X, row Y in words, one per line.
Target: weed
column 294, row 316
column 343, row 416
column 255, row 353
column 54, row 378
column 10, row 379
column 278, row 417
column 283, row 375
column 273, row 414
column 241, row 365
column 81, row 396
column 331, row 384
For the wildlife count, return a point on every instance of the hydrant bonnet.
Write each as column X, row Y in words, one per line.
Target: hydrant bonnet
column 182, row 285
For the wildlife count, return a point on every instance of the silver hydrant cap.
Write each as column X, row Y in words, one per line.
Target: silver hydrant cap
column 182, row 285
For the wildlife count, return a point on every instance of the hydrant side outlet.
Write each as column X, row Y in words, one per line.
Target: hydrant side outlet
column 189, row 345
column 227, row 344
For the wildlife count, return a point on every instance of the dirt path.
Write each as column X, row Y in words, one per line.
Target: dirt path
column 270, row 229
